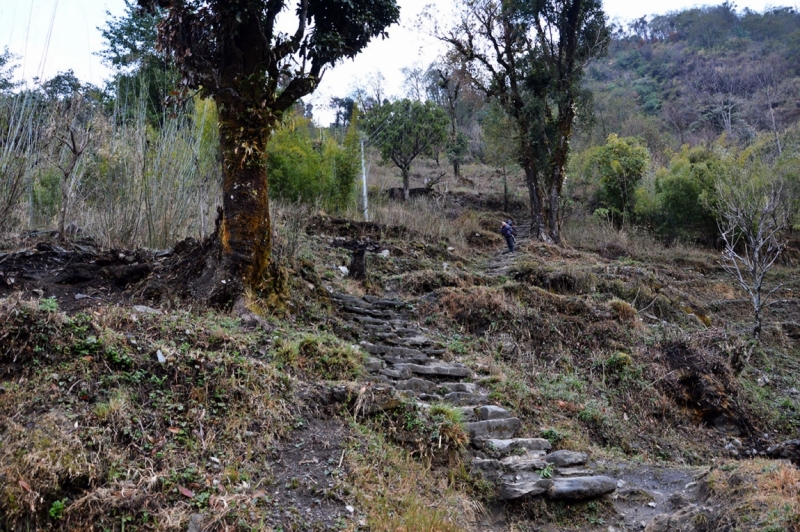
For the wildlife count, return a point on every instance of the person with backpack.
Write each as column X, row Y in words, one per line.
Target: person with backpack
column 509, row 232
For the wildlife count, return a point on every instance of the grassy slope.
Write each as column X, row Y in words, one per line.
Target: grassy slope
column 96, row 431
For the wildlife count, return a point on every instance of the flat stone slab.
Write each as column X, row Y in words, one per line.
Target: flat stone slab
column 516, row 486
column 566, row 458
column 396, row 374
column 436, row 369
column 579, row 488
column 490, row 469
column 373, row 364
column 504, row 447
column 392, row 350
column 413, row 341
column 467, row 387
column 467, row 413
column 416, row 384
column 493, row 428
column 412, row 359
column 487, row 412
column 465, row 399
column 573, row 472
column 367, row 312
column 517, row 464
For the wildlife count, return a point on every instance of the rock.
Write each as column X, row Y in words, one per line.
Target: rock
column 373, row 364
column 344, row 270
column 576, row 472
column 501, row 447
column 526, row 462
column 396, row 374
column 490, row 469
column 463, row 398
column 416, row 385
column 437, row 369
column 516, row 486
column 578, row 488
column 466, row 387
column 414, row 341
column 491, row 412
column 493, row 428
column 141, row 309
column 385, row 253
column 160, row 356
column 565, row 458
column 195, row 523
column 467, row 413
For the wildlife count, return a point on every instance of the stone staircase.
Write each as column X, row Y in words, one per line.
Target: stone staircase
column 402, row 356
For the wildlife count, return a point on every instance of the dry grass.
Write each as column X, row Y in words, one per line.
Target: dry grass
column 590, row 233
column 401, row 494
column 757, row 494
column 94, row 430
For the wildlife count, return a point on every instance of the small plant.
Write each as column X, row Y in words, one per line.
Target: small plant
column 57, row 509
column 547, row 472
column 48, row 304
column 552, row 435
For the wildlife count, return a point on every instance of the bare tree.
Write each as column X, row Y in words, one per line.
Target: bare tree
column 752, row 218
column 73, row 139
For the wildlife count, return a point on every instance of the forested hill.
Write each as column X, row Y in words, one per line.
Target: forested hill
column 690, row 76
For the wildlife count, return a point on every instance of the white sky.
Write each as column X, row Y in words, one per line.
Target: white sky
column 71, row 28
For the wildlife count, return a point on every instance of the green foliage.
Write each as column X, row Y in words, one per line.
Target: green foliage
column 307, row 169
column 48, row 304
column 682, row 206
column 621, row 164
column 142, row 76
column 6, row 70
column 405, row 129
column 57, row 509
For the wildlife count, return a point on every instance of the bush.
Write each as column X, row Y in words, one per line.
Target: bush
column 682, row 205
column 305, row 169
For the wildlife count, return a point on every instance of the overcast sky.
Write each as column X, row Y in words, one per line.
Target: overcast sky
column 52, row 36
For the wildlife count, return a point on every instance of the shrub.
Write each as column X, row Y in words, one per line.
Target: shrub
column 621, row 162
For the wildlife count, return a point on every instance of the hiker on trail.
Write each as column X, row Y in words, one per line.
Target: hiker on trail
column 508, row 231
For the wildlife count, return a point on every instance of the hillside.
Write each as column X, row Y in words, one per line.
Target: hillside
column 127, row 407
column 690, row 76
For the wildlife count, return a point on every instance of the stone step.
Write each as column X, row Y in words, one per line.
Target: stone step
column 493, row 428
column 488, row 412
column 389, row 303
column 383, row 314
column 522, row 484
column 527, row 462
column 566, row 458
column 413, row 341
column 572, row 472
column 467, row 387
column 392, row 350
column 467, row 413
column 377, row 321
column 396, row 374
column 418, row 359
column 373, row 364
column 505, row 447
column 581, row 488
column 465, row 399
column 436, row 369
column 416, row 384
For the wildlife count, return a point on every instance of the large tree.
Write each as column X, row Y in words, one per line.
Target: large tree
column 530, row 55
column 234, row 51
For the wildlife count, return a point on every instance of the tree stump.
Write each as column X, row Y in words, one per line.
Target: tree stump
column 358, row 264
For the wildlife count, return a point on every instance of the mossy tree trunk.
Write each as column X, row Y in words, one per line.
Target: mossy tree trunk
column 245, row 233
